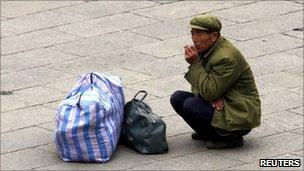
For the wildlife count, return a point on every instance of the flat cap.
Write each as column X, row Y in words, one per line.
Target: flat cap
column 206, row 21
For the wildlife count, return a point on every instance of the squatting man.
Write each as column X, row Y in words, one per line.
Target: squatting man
column 224, row 103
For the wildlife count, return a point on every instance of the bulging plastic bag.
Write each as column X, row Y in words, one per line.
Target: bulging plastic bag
column 89, row 119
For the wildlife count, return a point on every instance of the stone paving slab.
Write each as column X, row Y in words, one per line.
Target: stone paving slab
column 162, row 67
column 38, row 21
column 162, row 107
column 268, row 45
column 13, row 9
column 105, row 25
column 170, row 29
column 24, row 138
column 183, row 9
column 164, row 2
column 263, row 147
column 297, row 90
column 6, row 31
column 298, row 34
column 22, row 118
column 64, row 85
column 49, row 125
column 298, row 110
column 283, row 121
column 165, row 49
column 297, row 51
column 105, row 8
column 123, row 158
column 128, row 76
column 164, row 86
column 78, row 66
column 53, row 105
column 32, row 59
column 27, row 159
column 197, row 161
column 298, row 153
column 29, row 97
column 255, row 165
column 298, row 131
column 49, row 148
column 297, row 70
column 24, row 79
column 274, row 63
column 104, row 43
column 40, row 39
column 265, row 26
column 9, row 103
column 264, row 8
column 276, row 123
column 2, row 18
column 272, row 82
column 127, row 59
column 177, row 126
column 280, row 101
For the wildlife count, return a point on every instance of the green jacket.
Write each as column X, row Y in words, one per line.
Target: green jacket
column 224, row 73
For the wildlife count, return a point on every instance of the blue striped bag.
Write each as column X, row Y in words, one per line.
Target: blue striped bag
column 89, row 119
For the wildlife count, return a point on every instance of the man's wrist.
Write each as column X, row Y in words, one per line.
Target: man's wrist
column 193, row 61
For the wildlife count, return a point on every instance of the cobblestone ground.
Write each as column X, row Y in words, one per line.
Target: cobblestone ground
column 45, row 45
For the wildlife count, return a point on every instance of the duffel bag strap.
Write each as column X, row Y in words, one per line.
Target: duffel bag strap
column 141, row 91
column 91, row 82
column 85, row 78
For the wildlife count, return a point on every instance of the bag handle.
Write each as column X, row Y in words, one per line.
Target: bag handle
column 91, row 77
column 144, row 96
column 85, row 78
column 91, row 82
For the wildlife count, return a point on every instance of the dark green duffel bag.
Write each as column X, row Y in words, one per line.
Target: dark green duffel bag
column 142, row 129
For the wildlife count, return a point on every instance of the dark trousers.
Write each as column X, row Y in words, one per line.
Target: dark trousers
column 198, row 115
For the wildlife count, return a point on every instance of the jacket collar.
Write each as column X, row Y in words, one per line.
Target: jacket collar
column 210, row 52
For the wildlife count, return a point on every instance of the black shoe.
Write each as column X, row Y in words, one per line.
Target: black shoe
column 195, row 136
column 226, row 143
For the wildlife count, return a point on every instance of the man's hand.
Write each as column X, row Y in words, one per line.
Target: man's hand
column 218, row 104
column 191, row 54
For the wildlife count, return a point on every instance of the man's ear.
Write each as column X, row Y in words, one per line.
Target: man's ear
column 215, row 36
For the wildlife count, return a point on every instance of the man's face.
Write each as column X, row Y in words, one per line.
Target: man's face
column 202, row 40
